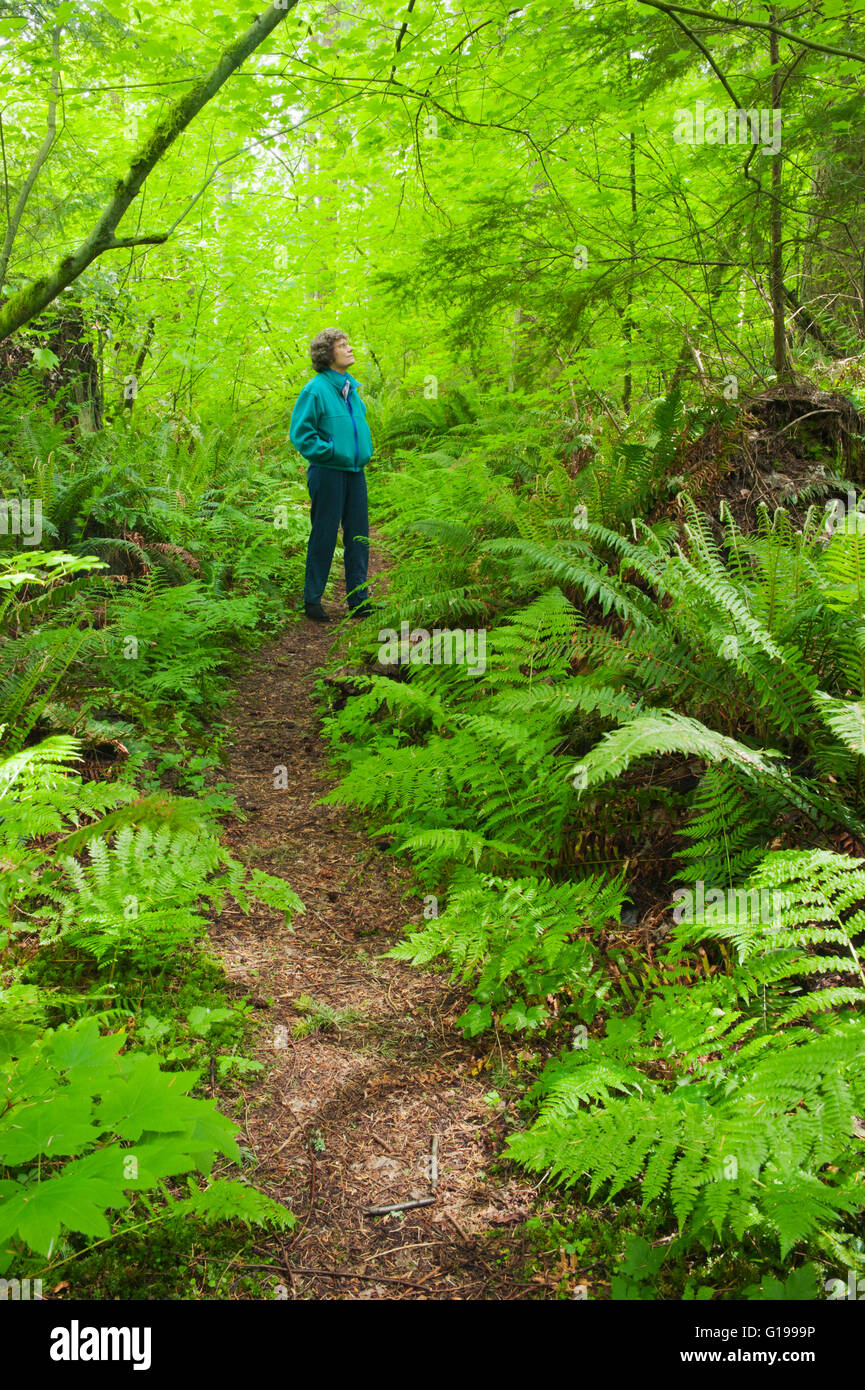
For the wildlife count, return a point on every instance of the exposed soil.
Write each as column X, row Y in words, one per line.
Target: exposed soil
column 344, row 1118
column 787, row 447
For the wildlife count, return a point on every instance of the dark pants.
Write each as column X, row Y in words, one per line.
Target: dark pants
column 337, row 498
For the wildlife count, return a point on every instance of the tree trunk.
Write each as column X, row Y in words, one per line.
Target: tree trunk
column 776, row 275
column 130, row 388
column 628, row 321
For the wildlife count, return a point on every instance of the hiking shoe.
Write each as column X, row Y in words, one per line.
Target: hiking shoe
column 365, row 610
column 316, row 612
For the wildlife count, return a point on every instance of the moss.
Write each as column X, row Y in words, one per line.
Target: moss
column 24, row 305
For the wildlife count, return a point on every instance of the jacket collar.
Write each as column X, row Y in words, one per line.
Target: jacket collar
column 339, row 379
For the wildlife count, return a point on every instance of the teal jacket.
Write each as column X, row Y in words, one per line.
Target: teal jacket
column 329, row 430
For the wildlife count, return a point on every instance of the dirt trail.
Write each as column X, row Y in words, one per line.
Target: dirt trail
column 344, row 1118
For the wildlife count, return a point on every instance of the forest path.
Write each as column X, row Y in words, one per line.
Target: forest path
column 344, row 1118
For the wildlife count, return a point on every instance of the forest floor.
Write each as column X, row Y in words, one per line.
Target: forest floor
column 345, row 1117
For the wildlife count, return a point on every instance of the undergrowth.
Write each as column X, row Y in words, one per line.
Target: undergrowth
column 119, row 631
column 664, row 732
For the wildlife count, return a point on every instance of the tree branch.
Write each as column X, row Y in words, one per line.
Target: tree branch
column 117, row 243
column 40, row 157
column 698, row 43
column 30, row 301
column 5, row 171
column 402, row 33
column 807, row 323
column 668, row 9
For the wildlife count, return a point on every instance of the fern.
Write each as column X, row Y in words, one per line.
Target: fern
column 755, row 1124
column 525, row 940
column 226, row 1199
column 138, row 896
column 666, row 731
column 727, row 829
column 572, row 566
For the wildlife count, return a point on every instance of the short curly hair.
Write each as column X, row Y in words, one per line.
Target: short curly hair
column 322, row 345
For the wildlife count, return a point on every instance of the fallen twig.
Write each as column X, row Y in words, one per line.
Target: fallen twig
column 459, row 1230
column 350, row 1274
column 398, row 1206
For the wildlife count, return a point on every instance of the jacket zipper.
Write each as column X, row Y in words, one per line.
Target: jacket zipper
column 345, row 400
column 354, row 427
